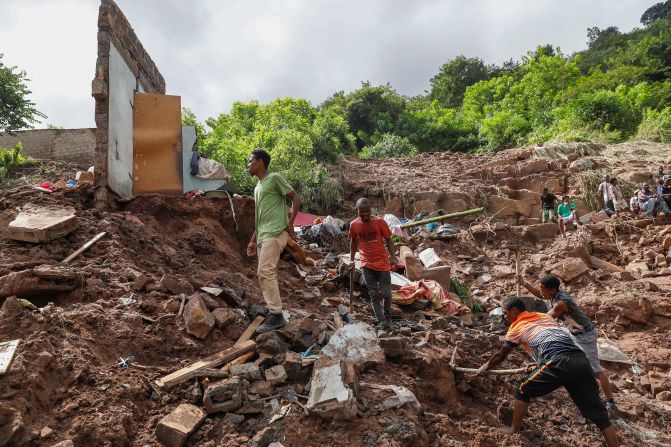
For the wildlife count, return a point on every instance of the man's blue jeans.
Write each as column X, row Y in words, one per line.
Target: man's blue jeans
column 378, row 284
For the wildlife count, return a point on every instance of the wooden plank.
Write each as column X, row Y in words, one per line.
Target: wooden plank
column 337, row 320
column 7, row 351
column 85, row 247
column 249, row 332
column 187, row 372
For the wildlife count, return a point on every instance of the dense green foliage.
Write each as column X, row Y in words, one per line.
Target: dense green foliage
column 11, row 158
column 16, row 110
column 618, row 88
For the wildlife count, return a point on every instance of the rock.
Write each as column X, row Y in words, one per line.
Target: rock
column 569, row 269
column 666, row 243
column 406, row 331
column 224, row 396
column 198, row 320
column 538, row 260
column 45, row 432
column 10, row 422
column 66, row 443
column 247, row 371
column 247, row 407
column 355, row 343
column 660, row 261
column 270, row 343
column 533, row 167
column 276, row 375
column 637, row 268
column 261, row 387
column 624, row 276
column 140, row 283
column 539, row 232
column 175, row 285
column 650, row 256
column 183, row 421
column 664, row 396
column 331, row 395
column 658, row 383
column 223, row 317
column 234, row 419
column 581, row 164
column 393, row 346
column 502, row 271
column 293, row 365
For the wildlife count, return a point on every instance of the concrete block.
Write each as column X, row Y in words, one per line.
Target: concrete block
column 331, row 396
column 174, row 428
column 41, row 225
column 276, row 375
column 224, row 396
column 247, row 371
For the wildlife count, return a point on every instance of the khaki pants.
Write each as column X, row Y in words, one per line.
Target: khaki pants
column 269, row 255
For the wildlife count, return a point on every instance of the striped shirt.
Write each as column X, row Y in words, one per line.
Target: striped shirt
column 541, row 337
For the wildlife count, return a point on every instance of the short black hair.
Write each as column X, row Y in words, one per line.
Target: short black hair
column 551, row 282
column 514, row 301
column 261, row 154
column 545, row 189
column 363, row 203
column 613, row 180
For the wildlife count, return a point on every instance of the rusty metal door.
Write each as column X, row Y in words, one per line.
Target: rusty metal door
column 157, row 144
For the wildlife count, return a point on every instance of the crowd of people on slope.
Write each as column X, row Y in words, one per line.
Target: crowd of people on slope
column 647, row 200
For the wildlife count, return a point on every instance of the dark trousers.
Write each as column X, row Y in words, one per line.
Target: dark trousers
column 574, row 373
column 378, row 284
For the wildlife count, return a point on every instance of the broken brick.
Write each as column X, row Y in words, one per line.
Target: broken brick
column 276, row 375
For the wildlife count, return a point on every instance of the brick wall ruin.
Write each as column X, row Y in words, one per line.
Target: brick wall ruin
column 71, row 145
column 114, row 30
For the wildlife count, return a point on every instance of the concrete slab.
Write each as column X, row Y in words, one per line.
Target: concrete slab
column 41, row 225
column 7, row 350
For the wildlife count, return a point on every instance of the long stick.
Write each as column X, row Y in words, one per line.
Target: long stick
column 517, row 270
column 443, row 217
column 85, row 247
column 498, row 372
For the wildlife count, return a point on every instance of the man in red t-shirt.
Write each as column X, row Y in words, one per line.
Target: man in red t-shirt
column 369, row 235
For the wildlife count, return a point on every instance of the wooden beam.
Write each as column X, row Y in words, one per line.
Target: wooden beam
column 188, row 372
column 249, row 332
column 85, row 247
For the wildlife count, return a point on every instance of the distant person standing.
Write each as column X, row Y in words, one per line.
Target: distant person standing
column 660, row 174
column 371, row 237
column 616, row 194
column 272, row 231
column 548, row 203
column 606, row 195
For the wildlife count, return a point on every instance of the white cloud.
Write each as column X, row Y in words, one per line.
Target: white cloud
column 213, row 53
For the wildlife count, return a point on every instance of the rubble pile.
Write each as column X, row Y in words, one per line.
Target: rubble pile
column 146, row 337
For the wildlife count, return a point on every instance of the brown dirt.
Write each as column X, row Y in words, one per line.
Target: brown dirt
column 65, row 375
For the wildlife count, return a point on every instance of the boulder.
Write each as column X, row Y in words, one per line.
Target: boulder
column 637, row 268
column 175, row 285
column 666, row 243
column 539, row 232
column 569, row 269
column 502, row 271
column 199, row 321
column 332, row 392
column 355, row 343
column 223, row 317
column 658, row 382
column 224, row 396
column 174, row 428
column 581, row 164
column 533, row 167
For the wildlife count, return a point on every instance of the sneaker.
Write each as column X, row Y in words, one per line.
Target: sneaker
column 612, row 410
column 273, row 322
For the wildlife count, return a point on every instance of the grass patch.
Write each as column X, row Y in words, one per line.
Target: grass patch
column 461, row 290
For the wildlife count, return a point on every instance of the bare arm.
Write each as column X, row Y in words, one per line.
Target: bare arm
column 353, row 248
column 534, row 291
column 497, row 358
column 295, row 207
column 392, row 251
column 558, row 309
column 251, row 247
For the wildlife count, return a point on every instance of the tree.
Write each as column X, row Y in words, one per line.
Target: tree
column 449, row 85
column 16, row 110
column 661, row 10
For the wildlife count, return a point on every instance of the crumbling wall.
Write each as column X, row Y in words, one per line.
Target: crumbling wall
column 71, row 145
column 123, row 67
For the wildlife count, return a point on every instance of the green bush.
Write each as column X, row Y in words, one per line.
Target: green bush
column 504, row 130
column 11, row 158
column 390, row 145
column 656, row 126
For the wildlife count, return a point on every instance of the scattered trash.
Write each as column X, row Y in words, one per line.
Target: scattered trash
column 124, row 363
column 402, row 396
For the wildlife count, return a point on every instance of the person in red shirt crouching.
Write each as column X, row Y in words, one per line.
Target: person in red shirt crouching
column 371, row 236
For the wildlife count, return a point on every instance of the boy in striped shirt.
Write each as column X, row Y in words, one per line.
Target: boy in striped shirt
column 560, row 363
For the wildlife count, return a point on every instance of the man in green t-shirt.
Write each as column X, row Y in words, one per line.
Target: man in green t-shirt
column 567, row 214
column 272, row 231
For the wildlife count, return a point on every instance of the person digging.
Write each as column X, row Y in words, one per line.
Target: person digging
column 371, row 237
column 567, row 311
column 560, row 363
column 273, row 227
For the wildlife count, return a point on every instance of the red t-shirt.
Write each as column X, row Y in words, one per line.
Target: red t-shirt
column 372, row 236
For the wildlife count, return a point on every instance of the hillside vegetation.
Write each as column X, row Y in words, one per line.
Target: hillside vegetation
column 617, row 89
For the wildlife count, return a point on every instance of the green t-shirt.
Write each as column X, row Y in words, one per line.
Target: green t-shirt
column 565, row 211
column 270, row 213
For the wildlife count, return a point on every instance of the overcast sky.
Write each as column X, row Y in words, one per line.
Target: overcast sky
column 213, row 53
